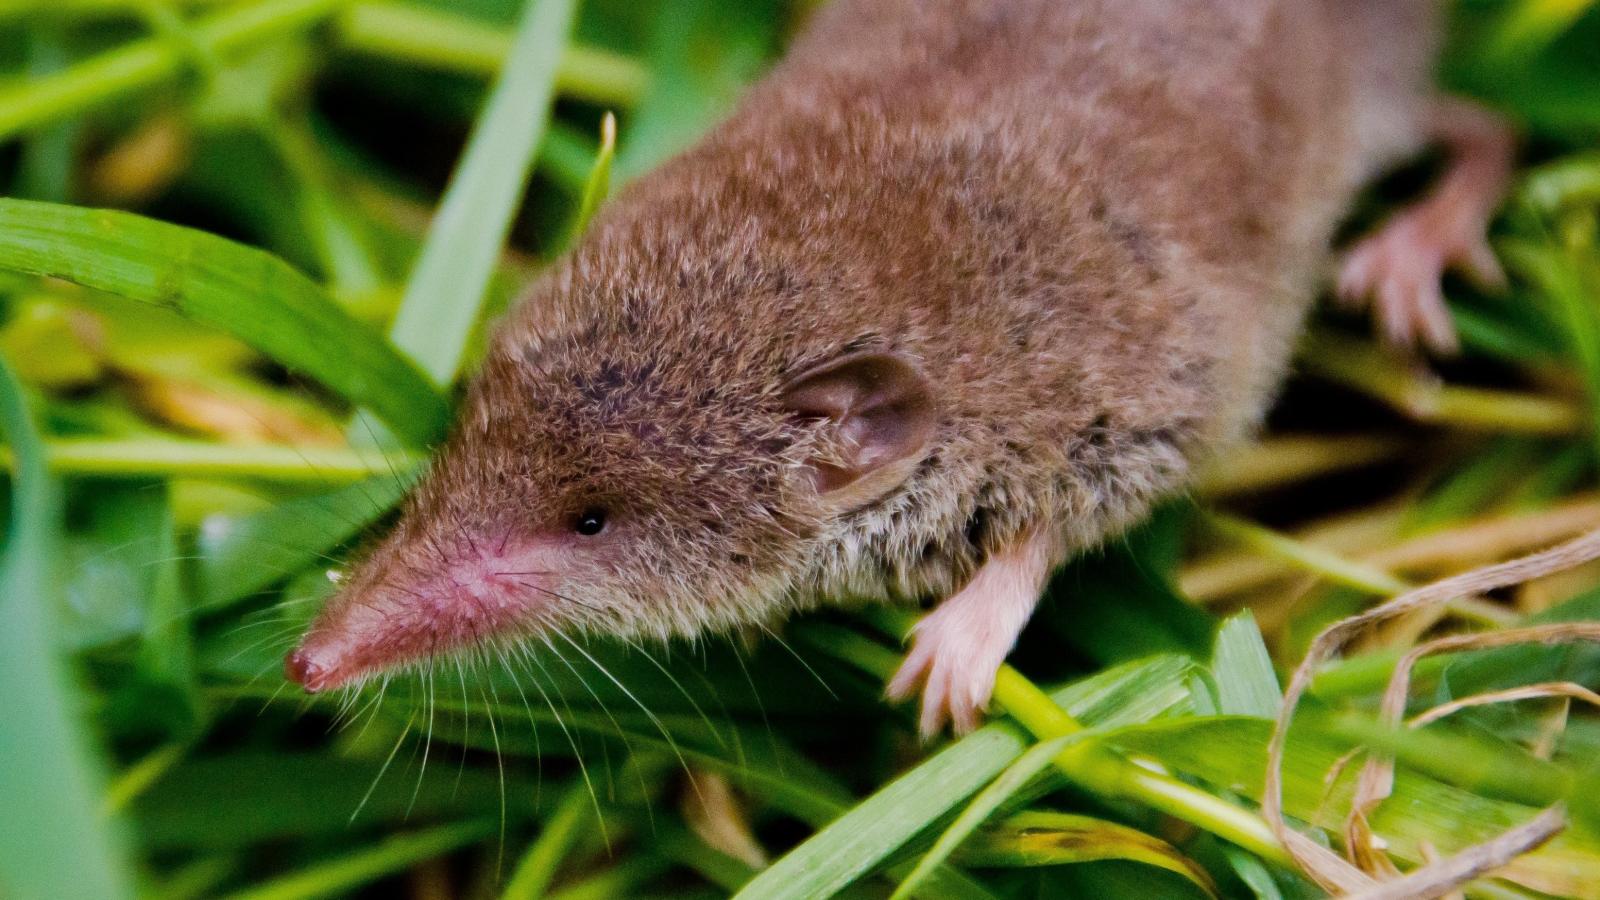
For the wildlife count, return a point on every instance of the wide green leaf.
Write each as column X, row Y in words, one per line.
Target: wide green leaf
column 245, row 292
column 48, row 777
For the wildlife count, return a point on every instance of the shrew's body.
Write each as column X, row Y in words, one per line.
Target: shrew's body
column 959, row 289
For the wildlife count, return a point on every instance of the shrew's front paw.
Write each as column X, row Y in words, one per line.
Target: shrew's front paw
column 954, row 666
column 957, row 649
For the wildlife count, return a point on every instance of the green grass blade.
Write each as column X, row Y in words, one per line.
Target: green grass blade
column 1100, row 770
column 446, row 291
column 435, row 37
column 567, row 157
column 150, row 62
column 1254, row 873
column 110, row 563
column 54, row 830
column 1242, row 669
column 336, row 877
column 138, row 778
column 689, row 91
column 1047, row 838
column 689, row 851
column 1231, row 752
column 240, row 555
column 242, row 291
column 311, row 795
column 156, row 457
column 165, row 690
column 1013, row 779
column 537, row 869
column 862, row 838
column 45, row 170
column 598, row 185
column 625, row 879
column 1529, row 25
column 1560, row 274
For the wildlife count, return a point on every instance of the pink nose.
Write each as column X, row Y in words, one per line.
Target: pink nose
column 298, row 668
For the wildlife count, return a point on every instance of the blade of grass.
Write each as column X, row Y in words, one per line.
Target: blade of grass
column 149, row 62
column 1276, row 460
column 853, row 844
column 164, row 686
column 625, row 879
column 437, row 38
column 1231, row 751
column 1106, row 773
column 1047, row 838
column 335, row 877
column 1560, row 275
column 1367, row 369
column 537, row 869
column 48, row 775
column 339, row 235
column 1013, row 779
column 1096, row 768
column 1528, row 26
column 45, row 170
column 1242, row 668
column 864, row 836
column 598, row 185
column 567, row 157
column 1256, row 876
column 447, row 288
column 687, row 850
column 731, row 40
column 137, row 778
column 242, row 291
column 757, row 762
column 240, row 555
column 1573, row 179
column 197, row 880
column 1339, row 570
column 157, row 457
column 109, row 563
column 293, row 795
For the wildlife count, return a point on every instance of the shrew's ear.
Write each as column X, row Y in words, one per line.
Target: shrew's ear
column 881, row 408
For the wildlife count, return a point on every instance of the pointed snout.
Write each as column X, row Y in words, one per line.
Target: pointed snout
column 299, row 668
column 341, row 647
column 376, row 623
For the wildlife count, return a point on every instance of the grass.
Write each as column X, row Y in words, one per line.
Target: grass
column 246, row 247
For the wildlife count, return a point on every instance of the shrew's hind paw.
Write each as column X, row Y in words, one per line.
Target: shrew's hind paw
column 1398, row 269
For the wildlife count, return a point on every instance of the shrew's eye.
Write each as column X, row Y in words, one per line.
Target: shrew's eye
column 590, row 522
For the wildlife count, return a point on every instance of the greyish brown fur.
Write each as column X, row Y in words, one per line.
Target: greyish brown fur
column 1096, row 226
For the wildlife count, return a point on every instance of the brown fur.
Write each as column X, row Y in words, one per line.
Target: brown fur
column 1096, row 227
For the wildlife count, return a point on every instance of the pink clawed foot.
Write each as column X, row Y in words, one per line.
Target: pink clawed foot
column 957, row 649
column 954, row 668
column 1398, row 269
